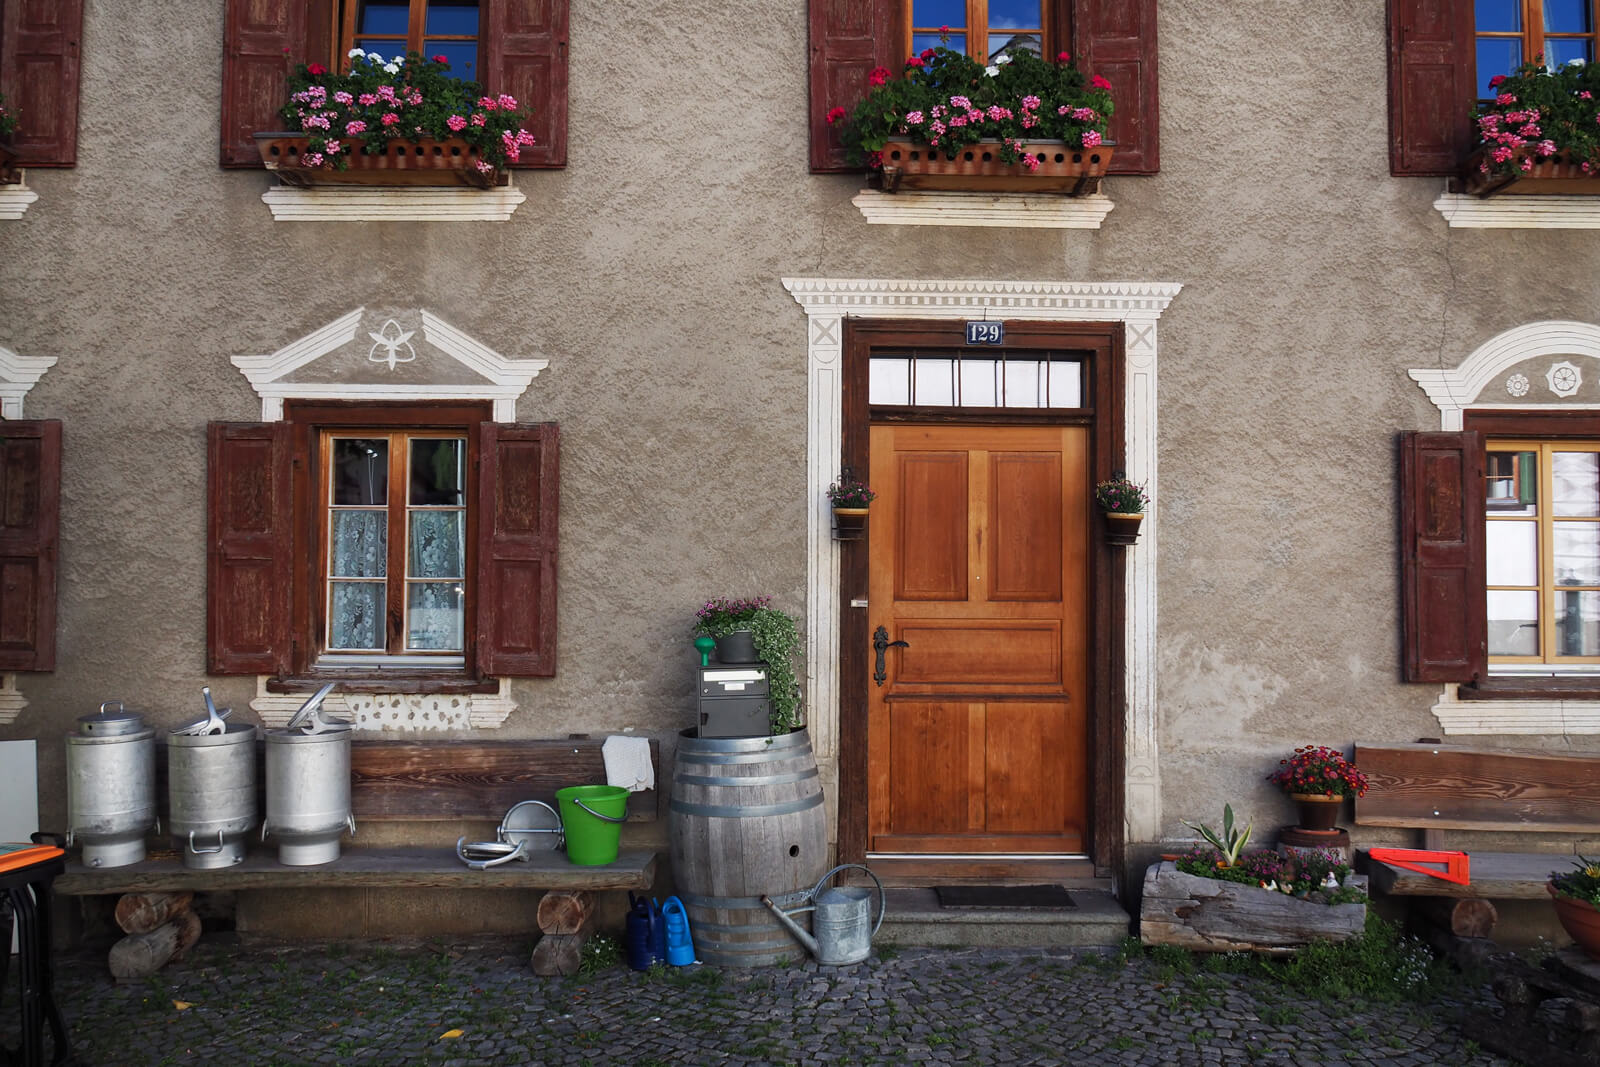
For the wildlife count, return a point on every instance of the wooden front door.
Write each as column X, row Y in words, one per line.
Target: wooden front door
column 977, row 727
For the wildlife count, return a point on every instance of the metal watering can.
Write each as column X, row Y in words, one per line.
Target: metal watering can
column 842, row 918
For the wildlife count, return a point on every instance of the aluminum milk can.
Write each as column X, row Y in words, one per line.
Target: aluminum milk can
column 308, row 787
column 111, row 786
column 211, row 788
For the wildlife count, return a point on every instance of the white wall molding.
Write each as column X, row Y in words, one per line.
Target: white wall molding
column 1519, row 212
column 1138, row 306
column 11, row 700
column 1516, row 716
column 290, row 204
column 16, row 198
column 394, row 712
column 1017, row 210
column 505, row 380
column 18, row 374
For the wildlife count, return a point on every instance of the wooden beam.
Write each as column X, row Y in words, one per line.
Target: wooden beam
column 1452, row 787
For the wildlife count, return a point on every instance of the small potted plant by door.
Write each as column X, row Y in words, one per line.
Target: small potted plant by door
column 1123, row 503
column 751, row 630
column 849, row 499
column 1317, row 779
column 1577, row 899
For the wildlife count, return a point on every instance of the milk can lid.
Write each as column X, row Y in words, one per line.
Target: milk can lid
column 112, row 718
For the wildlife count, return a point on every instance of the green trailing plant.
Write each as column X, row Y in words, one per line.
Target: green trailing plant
column 1120, row 496
column 777, row 640
column 1580, row 883
column 1230, row 842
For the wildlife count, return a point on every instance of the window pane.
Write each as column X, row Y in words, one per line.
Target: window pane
column 438, row 471
column 1496, row 56
column 1567, row 16
column 1499, row 16
column 1015, row 14
column 1513, row 627
column 1021, row 383
column 1513, row 553
column 434, row 617
column 978, row 388
column 1066, row 385
column 1014, row 42
column 1511, row 483
column 1577, row 623
column 1559, row 51
column 889, row 381
column 360, row 471
column 355, row 617
column 1577, row 483
column 461, row 55
column 453, row 18
column 1577, row 553
column 360, row 546
column 392, row 49
column 921, row 42
column 438, row 544
column 383, row 18
column 934, row 383
column 936, row 13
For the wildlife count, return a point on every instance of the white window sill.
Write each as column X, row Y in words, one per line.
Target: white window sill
column 1519, row 212
column 11, row 701
column 15, row 199
column 419, row 204
column 395, row 712
column 1019, row 210
column 1529, row 717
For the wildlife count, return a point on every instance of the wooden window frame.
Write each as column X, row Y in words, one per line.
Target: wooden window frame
column 978, row 25
column 344, row 31
column 1533, row 34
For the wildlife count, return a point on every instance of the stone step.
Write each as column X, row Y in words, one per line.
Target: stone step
column 914, row 917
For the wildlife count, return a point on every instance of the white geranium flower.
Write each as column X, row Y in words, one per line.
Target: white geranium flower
column 1002, row 59
column 1575, row 62
column 392, row 68
column 353, row 53
column 375, row 57
column 991, row 71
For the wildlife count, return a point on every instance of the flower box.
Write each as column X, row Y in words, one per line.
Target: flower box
column 977, row 168
column 1211, row 915
column 10, row 174
column 1555, row 175
column 426, row 162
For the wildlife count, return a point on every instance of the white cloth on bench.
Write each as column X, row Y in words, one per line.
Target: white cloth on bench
column 628, row 762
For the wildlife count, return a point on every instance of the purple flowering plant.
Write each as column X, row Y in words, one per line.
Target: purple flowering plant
column 1300, row 875
column 406, row 99
column 1538, row 113
column 849, row 493
column 1119, row 496
column 776, row 636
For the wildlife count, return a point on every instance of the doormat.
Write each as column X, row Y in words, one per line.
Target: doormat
column 1003, row 896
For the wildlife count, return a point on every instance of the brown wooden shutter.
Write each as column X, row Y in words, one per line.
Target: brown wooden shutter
column 848, row 39
column 39, row 77
column 261, row 39
column 1116, row 39
column 518, row 505
column 30, row 512
column 525, row 54
column 1432, row 76
column 1442, row 556
column 249, row 512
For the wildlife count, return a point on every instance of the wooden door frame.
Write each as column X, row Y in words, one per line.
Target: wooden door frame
column 1103, row 415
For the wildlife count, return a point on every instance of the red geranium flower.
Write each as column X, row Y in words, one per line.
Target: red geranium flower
column 1062, row 57
column 1099, row 83
column 878, row 76
column 316, row 70
column 835, row 114
column 914, row 61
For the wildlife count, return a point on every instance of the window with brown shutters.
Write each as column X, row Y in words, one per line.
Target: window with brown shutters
column 30, row 494
column 39, row 59
column 1442, row 556
column 398, row 545
column 522, row 50
column 1431, row 71
column 1112, row 38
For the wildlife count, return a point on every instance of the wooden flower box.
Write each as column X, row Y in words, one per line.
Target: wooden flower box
column 977, row 168
column 1556, row 175
column 1210, row 915
column 403, row 163
column 10, row 174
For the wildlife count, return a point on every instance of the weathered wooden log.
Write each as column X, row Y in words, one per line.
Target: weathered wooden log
column 189, row 930
column 558, row 954
column 1466, row 953
column 1583, row 1016
column 564, row 911
column 139, row 913
column 1209, row 915
column 141, row 955
column 1469, row 917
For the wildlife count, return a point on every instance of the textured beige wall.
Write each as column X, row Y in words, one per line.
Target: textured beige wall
column 647, row 273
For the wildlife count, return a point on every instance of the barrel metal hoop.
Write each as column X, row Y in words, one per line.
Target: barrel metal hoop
column 764, row 779
column 746, row 811
column 726, row 758
column 761, row 747
column 799, row 896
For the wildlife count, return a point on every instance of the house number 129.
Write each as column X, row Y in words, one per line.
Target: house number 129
column 986, row 333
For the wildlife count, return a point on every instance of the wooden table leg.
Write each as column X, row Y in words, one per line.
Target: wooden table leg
column 564, row 917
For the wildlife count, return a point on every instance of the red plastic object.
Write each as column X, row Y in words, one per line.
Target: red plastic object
column 1457, row 865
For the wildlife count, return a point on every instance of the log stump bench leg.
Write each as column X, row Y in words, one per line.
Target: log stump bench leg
column 564, row 917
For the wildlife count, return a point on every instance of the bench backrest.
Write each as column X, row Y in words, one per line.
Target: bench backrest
column 1452, row 787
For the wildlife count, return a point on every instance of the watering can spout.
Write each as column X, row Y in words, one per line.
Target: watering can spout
column 794, row 928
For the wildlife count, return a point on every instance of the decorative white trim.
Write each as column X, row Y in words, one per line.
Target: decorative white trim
column 1137, row 305
column 15, row 199
column 1019, row 210
column 11, row 701
column 1564, row 378
column 395, row 712
column 1453, row 391
column 1516, row 716
column 289, row 204
column 1520, row 212
column 508, row 379
column 18, row 374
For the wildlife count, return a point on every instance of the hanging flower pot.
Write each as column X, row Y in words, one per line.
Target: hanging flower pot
column 1124, row 503
column 1122, row 528
column 849, row 524
column 849, row 499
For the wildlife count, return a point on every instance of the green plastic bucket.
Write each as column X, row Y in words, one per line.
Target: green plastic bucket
column 592, row 817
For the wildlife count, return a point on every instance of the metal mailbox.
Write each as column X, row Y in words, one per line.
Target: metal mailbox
column 735, row 701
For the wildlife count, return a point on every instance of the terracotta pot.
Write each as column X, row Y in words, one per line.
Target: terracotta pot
column 1319, row 813
column 1580, row 919
column 977, row 168
column 406, row 163
column 849, row 524
column 1122, row 527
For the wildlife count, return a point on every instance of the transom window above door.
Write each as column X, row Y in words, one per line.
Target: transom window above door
column 991, row 26
column 1017, row 378
column 447, row 28
column 1511, row 32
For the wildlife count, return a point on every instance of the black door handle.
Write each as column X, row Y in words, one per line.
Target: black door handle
column 881, row 644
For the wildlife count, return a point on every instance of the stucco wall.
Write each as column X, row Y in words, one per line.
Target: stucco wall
column 647, row 273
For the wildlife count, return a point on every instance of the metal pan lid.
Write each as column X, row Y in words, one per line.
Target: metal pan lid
column 112, row 719
column 534, row 823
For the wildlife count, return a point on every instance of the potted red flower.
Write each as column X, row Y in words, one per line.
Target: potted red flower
column 1577, row 898
column 1318, row 779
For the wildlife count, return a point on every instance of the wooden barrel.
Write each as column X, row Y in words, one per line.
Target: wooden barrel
column 746, row 819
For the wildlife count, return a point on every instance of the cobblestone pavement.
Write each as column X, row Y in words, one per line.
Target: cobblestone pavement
column 476, row 1002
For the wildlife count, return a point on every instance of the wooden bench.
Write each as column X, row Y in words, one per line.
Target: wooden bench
column 1433, row 787
column 405, row 782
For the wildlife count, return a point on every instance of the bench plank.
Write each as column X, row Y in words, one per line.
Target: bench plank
column 1495, row 875
column 1453, row 787
column 404, row 868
